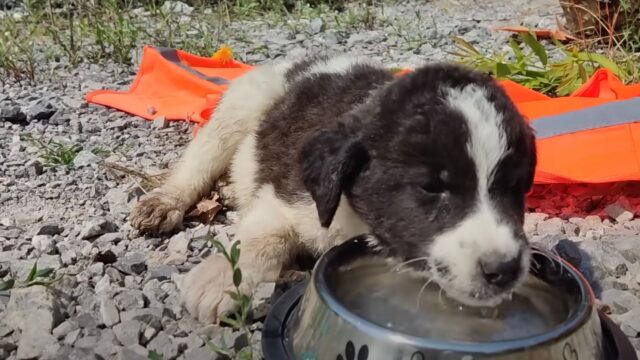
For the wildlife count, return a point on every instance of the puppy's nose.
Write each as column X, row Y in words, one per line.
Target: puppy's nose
column 500, row 272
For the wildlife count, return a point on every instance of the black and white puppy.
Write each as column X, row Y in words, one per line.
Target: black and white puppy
column 434, row 164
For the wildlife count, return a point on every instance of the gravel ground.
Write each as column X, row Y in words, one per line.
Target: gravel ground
column 117, row 298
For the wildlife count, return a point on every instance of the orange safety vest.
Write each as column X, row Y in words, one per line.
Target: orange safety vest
column 591, row 136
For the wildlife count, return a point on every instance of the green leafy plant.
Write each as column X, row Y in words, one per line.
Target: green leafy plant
column 54, row 153
column 242, row 301
column 532, row 67
column 35, row 277
column 152, row 355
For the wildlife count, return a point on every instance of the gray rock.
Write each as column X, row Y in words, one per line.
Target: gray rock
column 97, row 227
column 109, row 312
column 35, row 342
column 128, row 332
column 13, row 114
column 5, row 330
column 73, row 336
column 87, row 342
column 165, row 345
column 176, row 7
column 178, row 248
column 130, row 300
column 33, row 307
column 87, row 321
column 316, row 26
column 132, row 263
column 261, row 299
column 160, row 122
column 65, row 328
column 34, row 168
column 40, row 110
column 620, row 301
column 161, row 272
column 619, row 213
column 148, row 316
column 85, row 158
column 44, row 244
column 550, row 227
column 630, row 322
column 202, row 353
column 148, row 334
column 21, row 268
column 118, row 201
column 127, row 354
column 49, row 229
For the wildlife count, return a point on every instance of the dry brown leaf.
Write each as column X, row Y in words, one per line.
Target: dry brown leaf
column 206, row 209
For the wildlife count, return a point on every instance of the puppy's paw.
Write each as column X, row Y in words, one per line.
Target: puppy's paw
column 204, row 289
column 157, row 213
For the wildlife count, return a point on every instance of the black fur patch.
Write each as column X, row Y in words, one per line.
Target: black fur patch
column 395, row 148
column 311, row 104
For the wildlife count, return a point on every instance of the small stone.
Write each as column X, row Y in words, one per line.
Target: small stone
column 148, row 334
column 118, row 200
column 34, row 168
column 109, row 312
column 40, row 110
column 87, row 321
column 178, row 248
column 130, row 300
column 161, row 272
column 44, row 244
column 630, row 322
column 96, row 228
column 160, row 122
column 49, row 229
column 165, row 345
column 13, row 114
column 316, row 26
column 34, row 343
column 114, row 237
column 620, row 301
column 87, row 342
column 33, row 307
column 176, row 7
column 127, row 354
column 619, row 213
column 202, row 353
column 85, row 158
column 550, row 227
column 128, row 332
column 148, row 316
column 64, row 328
column 261, row 299
column 132, row 263
column 531, row 221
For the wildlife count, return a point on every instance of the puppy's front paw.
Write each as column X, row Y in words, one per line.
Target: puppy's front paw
column 157, row 213
column 204, row 289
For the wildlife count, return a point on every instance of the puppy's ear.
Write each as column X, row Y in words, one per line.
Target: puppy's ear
column 329, row 163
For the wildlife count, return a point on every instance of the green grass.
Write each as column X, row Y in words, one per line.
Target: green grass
column 78, row 31
column 53, row 153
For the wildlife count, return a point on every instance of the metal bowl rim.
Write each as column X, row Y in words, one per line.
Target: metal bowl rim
column 582, row 314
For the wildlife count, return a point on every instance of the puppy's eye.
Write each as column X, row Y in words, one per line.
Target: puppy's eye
column 433, row 187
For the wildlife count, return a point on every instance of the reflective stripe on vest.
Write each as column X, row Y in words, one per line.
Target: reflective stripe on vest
column 171, row 55
column 600, row 116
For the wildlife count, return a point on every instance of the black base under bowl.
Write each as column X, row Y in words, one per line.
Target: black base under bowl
column 615, row 344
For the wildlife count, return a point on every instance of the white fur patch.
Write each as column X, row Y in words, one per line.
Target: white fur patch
column 481, row 233
column 487, row 140
column 338, row 64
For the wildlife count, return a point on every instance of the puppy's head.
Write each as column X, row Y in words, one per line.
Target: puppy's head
column 437, row 164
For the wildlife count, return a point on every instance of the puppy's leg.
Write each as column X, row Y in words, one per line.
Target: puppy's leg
column 238, row 114
column 266, row 244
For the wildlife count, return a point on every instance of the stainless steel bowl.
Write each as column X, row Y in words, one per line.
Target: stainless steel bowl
column 310, row 322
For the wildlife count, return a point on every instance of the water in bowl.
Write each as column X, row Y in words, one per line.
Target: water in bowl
column 373, row 290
